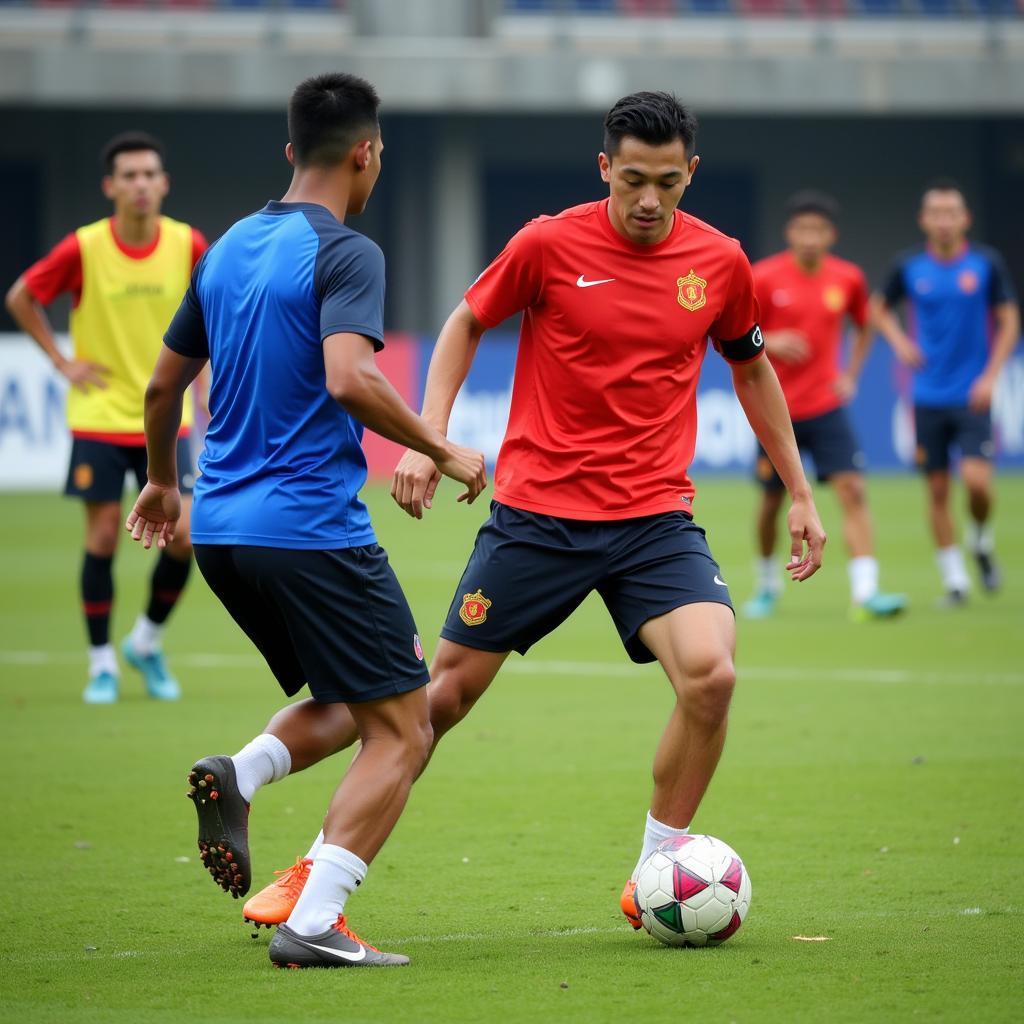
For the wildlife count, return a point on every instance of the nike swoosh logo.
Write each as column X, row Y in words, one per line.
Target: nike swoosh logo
column 580, row 283
column 343, row 954
column 721, row 583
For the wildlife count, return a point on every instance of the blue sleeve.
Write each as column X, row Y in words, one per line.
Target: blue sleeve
column 349, row 282
column 1000, row 284
column 894, row 287
column 186, row 334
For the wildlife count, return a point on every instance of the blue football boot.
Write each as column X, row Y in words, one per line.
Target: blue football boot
column 102, row 689
column 160, row 684
column 761, row 605
column 879, row 606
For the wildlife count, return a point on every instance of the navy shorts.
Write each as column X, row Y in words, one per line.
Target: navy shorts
column 939, row 428
column 828, row 439
column 97, row 469
column 337, row 620
column 529, row 572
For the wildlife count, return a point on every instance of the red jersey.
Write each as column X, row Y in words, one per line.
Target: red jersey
column 60, row 270
column 604, row 414
column 816, row 305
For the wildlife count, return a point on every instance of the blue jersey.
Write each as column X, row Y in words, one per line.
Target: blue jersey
column 950, row 312
column 283, row 463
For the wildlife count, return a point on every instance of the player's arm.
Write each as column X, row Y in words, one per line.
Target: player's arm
column 882, row 315
column 1006, row 320
column 846, row 382
column 760, row 394
column 30, row 315
column 416, row 479
column 158, row 507
column 355, row 382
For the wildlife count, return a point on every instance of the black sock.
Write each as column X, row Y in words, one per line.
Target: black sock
column 168, row 582
column 97, row 597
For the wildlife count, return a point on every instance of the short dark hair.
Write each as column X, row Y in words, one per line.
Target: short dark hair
column 327, row 115
column 129, row 142
column 810, row 201
column 652, row 117
column 943, row 185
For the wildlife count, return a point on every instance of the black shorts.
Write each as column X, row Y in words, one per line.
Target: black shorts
column 529, row 572
column 828, row 439
column 337, row 620
column 97, row 468
column 940, row 428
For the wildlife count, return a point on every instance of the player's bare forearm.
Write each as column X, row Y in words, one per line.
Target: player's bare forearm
column 172, row 375
column 1007, row 335
column 863, row 338
column 449, row 365
column 30, row 316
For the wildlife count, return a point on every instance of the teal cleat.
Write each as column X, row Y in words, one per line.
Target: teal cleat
column 102, row 689
column 879, row 606
column 160, row 684
column 761, row 605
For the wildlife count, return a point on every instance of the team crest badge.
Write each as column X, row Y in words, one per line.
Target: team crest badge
column 474, row 608
column 834, row 298
column 691, row 291
column 83, row 476
column 968, row 282
column 417, row 646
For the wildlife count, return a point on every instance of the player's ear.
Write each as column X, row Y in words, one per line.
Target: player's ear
column 605, row 166
column 692, row 167
column 107, row 185
column 166, row 178
column 289, row 154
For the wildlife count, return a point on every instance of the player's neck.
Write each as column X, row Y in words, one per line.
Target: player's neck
column 321, row 188
column 809, row 265
column 948, row 250
column 136, row 232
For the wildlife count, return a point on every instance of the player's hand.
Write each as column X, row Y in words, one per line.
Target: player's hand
column 83, row 374
column 468, row 467
column 805, row 527
column 414, row 483
column 908, row 353
column 155, row 515
column 846, row 387
column 789, row 346
column 980, row 396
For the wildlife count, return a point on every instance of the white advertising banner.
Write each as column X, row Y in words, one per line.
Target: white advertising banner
column 34, row 439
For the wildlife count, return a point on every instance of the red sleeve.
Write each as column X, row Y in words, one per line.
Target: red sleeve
column 858, row 304
column 739, row 314
column 60, row 270
column 512, row 282
column 199, row 246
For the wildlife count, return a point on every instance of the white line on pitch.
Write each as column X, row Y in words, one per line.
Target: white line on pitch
column 517, row 666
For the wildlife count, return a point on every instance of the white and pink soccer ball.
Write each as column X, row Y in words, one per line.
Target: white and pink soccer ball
column 693, row 891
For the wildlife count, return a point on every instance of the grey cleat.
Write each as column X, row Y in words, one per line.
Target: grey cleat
column 336, row 947
column 223, row 823
column 991, row 576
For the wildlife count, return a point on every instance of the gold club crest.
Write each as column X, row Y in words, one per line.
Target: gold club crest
column 691, row 291
column 474, row 608
column 834, row 298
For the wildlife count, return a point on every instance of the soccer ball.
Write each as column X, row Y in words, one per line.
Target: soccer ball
column 692, row 891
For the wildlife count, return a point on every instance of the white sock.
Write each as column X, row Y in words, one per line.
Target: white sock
column 265, row 759
column 863, row 578
column 315, row 848
column 768, row 572
column 146, row 635
column 981, row 538
column 951, row 565
column 334, row 876
column 102, row 659
column 654, row 833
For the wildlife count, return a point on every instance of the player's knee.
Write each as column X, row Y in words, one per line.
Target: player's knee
column 181, row 547
column 102, row 541
column 708, row 692
column 851, row 492
column 448, row 705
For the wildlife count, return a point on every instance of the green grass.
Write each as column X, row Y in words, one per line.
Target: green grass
column 872, row 781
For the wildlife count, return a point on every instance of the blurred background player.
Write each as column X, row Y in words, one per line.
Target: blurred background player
column 965, row 324
column 805, row 296
column 288, row 307
column 592, row 491
column 126, row 275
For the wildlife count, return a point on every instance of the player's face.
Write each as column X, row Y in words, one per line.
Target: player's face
column 368, row 156
column 137, row 185
column 810, row 236
column 646, row 183
column 944, row 217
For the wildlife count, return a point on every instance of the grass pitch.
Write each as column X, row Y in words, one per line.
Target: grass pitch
column 872, row 782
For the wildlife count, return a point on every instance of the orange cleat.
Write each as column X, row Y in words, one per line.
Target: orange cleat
column 274, row 903
column 628, row 903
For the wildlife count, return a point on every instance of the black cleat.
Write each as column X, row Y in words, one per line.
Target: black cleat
column 953, row 599
column 336, row 947
column 991, row 577
column 223, row 823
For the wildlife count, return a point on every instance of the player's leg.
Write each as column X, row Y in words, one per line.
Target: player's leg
column 935, row 431
column 143, row 647
column 767, row 569
column 974, row 438
column 395, row 739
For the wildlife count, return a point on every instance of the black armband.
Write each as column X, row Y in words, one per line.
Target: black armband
column 744, row 348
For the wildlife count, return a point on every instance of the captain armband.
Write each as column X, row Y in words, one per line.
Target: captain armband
column 744, row 348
